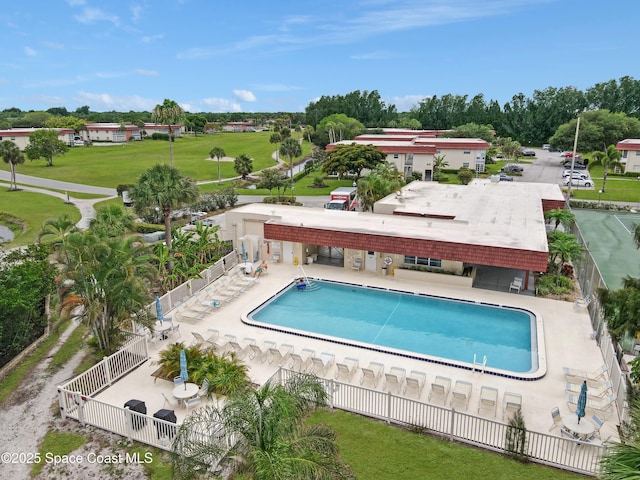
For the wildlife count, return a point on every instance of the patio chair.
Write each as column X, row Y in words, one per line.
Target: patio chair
column 357, row 264
column 241, row 280
column 600, row 406
column 172, row 403
column 516, row 285
column 192, row 402
column 394, row 379
column 488, row 400
column 440, row 388
column 205, row 342
column 177, row 381
column 346, row 369
column 414, row 383
column 189, row 317
column 461, row 393
column 299, row 361
column 594, row 378
column 228, row 285
column 279, row 355
column 320, row 365
column 260, row 352
column 172, row 331
column 275, row 258
column 557, row 418
column 371, row 374
column 511, row 403
column 204, row 388
column 598, row 423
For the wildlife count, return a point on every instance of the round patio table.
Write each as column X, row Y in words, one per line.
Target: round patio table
column 186, row 390
column 584, row 429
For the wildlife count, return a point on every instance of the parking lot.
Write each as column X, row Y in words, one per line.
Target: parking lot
column 546, row 168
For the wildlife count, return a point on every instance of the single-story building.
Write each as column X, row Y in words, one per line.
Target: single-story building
column 444, row 228
column 630, row 154
column 20, row 136
column 112, row 132
column 411, row 153
column 237, row 127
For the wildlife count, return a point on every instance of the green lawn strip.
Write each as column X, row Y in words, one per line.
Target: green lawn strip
column 376, row 450
column 56, row 443
column 12, row 381
column 156, row 462
column 69, row 348
column 109, row 166
column 34, row 209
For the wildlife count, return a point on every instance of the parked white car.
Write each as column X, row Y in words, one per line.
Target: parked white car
column 575, row 174
column 579, row 182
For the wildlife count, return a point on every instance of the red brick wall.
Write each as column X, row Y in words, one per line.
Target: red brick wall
column 483, row 255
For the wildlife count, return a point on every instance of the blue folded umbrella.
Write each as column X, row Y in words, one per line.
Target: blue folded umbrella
column 582, row 401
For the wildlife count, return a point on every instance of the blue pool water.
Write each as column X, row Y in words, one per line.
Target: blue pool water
column 435, row 327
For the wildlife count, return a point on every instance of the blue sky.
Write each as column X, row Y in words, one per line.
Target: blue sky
column 279, row 55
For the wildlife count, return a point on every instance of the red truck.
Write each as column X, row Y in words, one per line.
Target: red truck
column 343, row 198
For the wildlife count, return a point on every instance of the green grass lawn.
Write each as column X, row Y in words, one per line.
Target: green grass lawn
column 110, row 165
column 617, row 188
column 375, row 450
column 34, row 209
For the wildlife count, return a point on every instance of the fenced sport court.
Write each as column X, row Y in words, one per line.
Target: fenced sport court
column 609, row 237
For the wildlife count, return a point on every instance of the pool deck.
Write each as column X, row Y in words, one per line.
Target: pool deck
column 567, row 343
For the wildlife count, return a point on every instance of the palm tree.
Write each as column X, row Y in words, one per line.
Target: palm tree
column 217, row 152
column 112, row 221
column 243, row 165
column 165, row 188
column 56, row 229
column 565, row 247
column 608, row 159
column 12, row 155
column 438, row 163
column 169, row 113
column 276, row 138
column 561, row 217
column 291, row 148
column 110, row 280
column 271, row 440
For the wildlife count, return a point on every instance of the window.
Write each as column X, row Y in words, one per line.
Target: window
column 467, row 152
column 637, row 153
column 409, row 160
column 465, row 164
column 395, row 155
column 426, row 262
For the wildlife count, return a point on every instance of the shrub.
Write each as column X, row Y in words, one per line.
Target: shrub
column 160, row 136
column 147, row 228
column 515, row 442
column 553, row 285
column 318, row 182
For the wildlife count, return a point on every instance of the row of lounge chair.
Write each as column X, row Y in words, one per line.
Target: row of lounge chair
column 600, row 395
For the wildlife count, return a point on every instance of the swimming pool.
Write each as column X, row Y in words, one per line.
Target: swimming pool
column 441, row 330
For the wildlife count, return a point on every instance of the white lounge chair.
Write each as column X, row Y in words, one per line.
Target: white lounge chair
column 600, row 406
column 594, row 378
column 240, row 348
column 280, row 355
column 511, row 403
column 299, row 361
column 346, row 369
column 357, row 264
column 414, row 383
column 394, row 379
column 371, row 374
column 187, row 316
column 516, row 285
column 600, row 391
column 440, row 389
column 260, row 352
column 227, row 285
column 461, row 393
column 488, row 400
column 320, row 365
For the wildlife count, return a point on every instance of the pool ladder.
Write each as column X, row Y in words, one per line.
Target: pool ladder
column 480, row 365
column 310, row 284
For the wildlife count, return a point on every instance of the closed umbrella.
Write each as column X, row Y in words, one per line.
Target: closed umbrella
column 159, row 309
column 244, row 252
column 184, row 375
column 582, row 401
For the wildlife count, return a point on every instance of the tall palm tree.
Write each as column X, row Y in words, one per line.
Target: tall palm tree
column 165, row 188
column 217, row 152
column 608, row 159
column 291, row 148
column 564, row 247
column 276, row 138
column 12, row 155
column 271, row 440
column 169, row 114
column 55, row 230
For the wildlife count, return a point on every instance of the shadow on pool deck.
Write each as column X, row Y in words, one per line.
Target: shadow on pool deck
column 499, row 279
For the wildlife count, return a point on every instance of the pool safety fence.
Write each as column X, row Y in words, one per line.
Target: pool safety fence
column 559, row 452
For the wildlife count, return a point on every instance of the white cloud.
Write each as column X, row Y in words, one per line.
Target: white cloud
column 92, row 15
column 149, row 73
column 122, row 103
column 244, row 96
column 75, row 3
column 221, row 105
column 30, row 52
column 405, row 103
column 53, row 45
column 379, row 55
column 152, row 38
column 136, row 12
